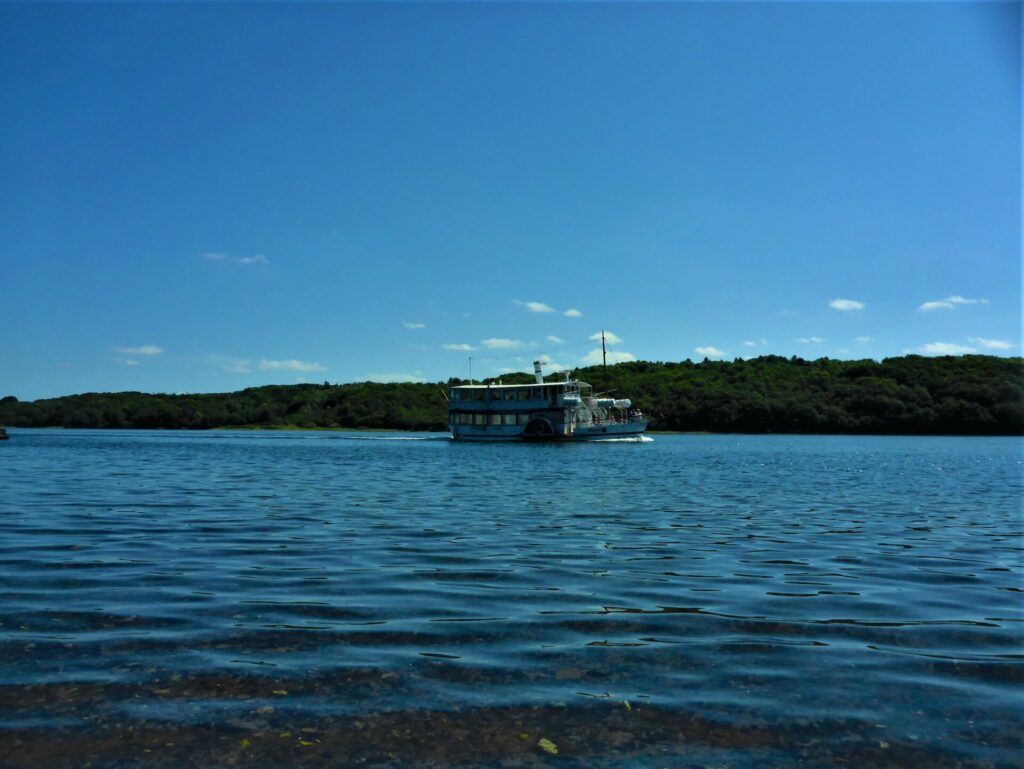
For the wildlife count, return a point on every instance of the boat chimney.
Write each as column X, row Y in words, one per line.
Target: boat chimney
column 537, row 375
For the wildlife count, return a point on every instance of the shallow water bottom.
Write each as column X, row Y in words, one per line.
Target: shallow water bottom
column 613, row 734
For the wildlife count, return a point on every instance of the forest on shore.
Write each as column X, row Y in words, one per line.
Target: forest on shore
column 912, row 395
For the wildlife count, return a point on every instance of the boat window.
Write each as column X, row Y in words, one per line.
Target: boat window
column 510, row 395
column 479, row 419
column 478, row 395
column 522, row 419
column 510, row 419
column 495, row 419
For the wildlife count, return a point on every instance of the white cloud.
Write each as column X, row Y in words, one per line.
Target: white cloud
column 950, row 302
column 459, row 347
column 750, row 344
column 535, row 306
column 391, row 377
column 846, row 305
column 290, row 365
column 146, row 349
column 946, row 348
column 237, row 367
column 573, row 313
column 991, row 344
column 502, row 344
column 810, row 340
column 407, row 324
column 555, row 340
column 710, row 352
column 258, row 259
column 550, row 364
column 216, row 256
column 593, row 358
column 126, row 361
column 609, row 337
column 863, row 339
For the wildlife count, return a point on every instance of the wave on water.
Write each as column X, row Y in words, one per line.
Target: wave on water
column 630, row 439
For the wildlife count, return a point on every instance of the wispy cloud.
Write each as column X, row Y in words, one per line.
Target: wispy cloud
column 290, row 365
column 609, row 337
column 593, row 358
column 762, row 343
column 710, row 352
column 845, row 305
column 991, row 344
column 949, row 303
column 126, row 361
column 407, row 324
column 534, row 306
column 237, row 367
column 459, row 347
column 946, row 348
column 810, row 340
column 145, row 349
column 502, row 344
column 863, row 339
column 392, row 377
column 573, row 313
column 555, row 340
column 217, row 256
column 258, row 259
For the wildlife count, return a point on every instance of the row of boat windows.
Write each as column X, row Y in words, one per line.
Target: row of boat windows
column 517, row 394
column 491, row 419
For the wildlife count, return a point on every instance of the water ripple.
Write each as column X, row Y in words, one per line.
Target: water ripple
column 406, row 600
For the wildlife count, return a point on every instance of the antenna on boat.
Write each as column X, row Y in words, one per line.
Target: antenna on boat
column 471, row 369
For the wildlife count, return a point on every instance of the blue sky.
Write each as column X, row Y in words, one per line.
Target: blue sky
column 201, row 198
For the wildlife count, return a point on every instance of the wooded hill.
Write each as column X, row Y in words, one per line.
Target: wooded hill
column 964, row 395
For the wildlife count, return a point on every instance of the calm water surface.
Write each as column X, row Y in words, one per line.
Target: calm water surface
column 316, row 599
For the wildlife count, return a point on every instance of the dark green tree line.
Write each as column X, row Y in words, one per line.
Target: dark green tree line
column 964, row 395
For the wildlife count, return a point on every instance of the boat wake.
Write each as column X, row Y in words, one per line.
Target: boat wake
column 629, row 439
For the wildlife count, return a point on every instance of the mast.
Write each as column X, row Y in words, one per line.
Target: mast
column 604, row 362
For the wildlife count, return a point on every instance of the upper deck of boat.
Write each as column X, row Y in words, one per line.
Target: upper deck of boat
column 531, row 391
column 572, row 384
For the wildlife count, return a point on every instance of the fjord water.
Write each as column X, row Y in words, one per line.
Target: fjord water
column 284, row 599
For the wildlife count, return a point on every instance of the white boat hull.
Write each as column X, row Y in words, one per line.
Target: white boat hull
column 516, row 433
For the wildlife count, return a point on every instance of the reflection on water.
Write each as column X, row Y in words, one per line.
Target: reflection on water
column 272, row 599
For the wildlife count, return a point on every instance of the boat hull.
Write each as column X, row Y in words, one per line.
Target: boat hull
column 512, row 433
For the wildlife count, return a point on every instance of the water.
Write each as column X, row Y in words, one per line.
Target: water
column 291, row 599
